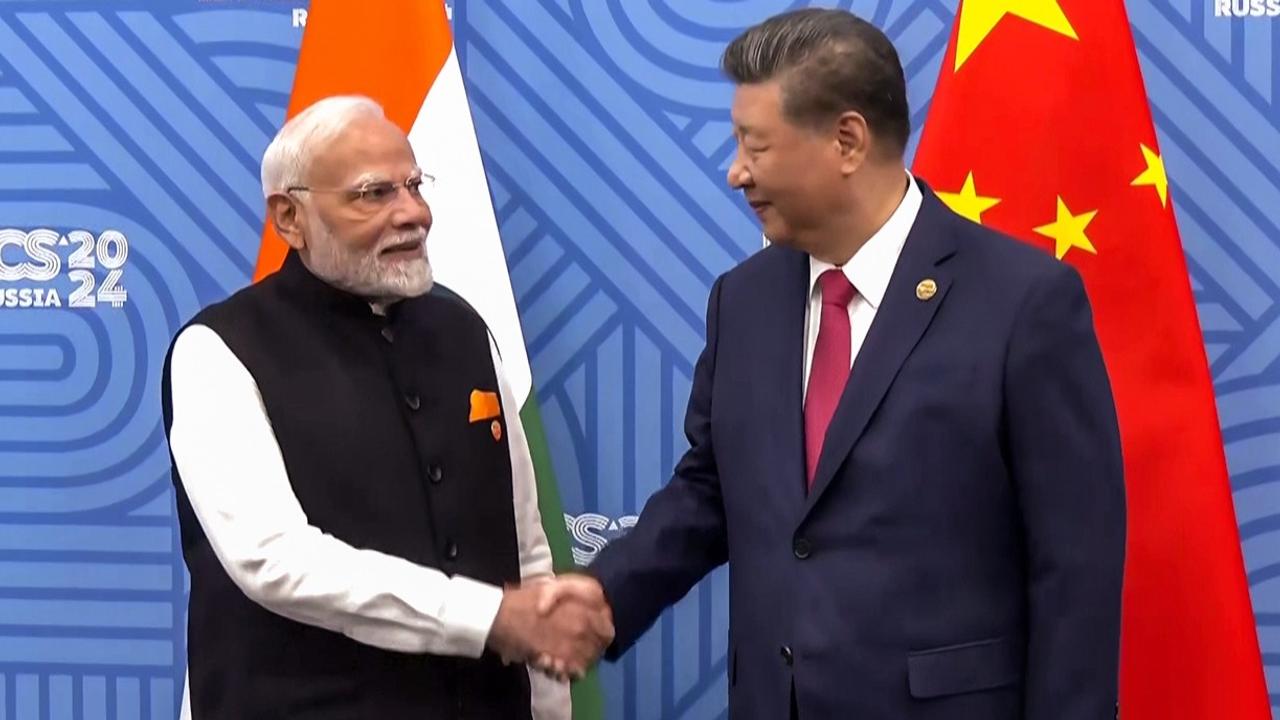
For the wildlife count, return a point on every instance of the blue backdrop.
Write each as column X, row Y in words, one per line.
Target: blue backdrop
column 603, row 126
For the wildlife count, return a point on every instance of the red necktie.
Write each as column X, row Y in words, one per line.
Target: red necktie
column 830, row 367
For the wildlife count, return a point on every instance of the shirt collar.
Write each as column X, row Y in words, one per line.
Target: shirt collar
column 870, row 269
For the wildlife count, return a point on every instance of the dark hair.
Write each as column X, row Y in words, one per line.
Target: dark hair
column 828, row 62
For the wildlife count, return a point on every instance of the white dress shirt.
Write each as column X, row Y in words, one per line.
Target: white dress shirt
column 234, row 475
column 869, row 271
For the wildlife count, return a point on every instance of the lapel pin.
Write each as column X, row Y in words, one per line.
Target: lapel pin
column 926, row 289
column 496, row 429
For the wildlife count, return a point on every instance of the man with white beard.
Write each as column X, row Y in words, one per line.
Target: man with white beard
column 356, row 498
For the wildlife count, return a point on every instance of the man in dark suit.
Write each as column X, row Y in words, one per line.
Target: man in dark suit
column 936, row 532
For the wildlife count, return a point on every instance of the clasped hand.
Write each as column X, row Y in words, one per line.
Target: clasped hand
column 560, row 626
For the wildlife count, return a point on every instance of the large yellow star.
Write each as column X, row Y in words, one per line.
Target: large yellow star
column 968, row 202
column 1068, row 230
column 979, row 17
column 1154, row 174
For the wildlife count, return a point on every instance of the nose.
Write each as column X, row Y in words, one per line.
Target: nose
column 738, row 176
column 410, row 211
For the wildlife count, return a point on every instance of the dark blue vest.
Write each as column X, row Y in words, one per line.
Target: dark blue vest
column 372, row 415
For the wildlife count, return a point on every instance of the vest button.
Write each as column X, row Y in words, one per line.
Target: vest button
column 435, row 474
column 801, row 548
column 412, row 401
column 388, row 335
column 451, row 551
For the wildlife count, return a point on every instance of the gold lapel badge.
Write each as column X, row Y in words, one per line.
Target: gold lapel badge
column 926, row 289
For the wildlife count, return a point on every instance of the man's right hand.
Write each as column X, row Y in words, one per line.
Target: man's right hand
column 561, row 626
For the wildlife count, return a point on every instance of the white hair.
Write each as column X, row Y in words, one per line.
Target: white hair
column 289, row 155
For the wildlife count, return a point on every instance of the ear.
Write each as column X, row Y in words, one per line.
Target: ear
column 288, row 219
column 853, row 138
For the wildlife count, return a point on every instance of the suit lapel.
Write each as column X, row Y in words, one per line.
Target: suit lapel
column 900, row 322
column 782, row 340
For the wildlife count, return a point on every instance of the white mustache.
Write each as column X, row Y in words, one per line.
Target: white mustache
column 401, row 238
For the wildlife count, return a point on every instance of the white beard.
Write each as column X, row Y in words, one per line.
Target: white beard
column 365, row 273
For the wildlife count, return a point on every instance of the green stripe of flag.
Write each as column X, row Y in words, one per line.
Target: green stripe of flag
column 588, row 701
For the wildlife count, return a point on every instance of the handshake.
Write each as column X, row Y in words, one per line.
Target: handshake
column 559, row 626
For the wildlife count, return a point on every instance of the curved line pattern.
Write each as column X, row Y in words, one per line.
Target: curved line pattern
column 129, row 170
column 35, row 357
column 162, row 105
column 257, row 73
column 127, row 116
column 662, row 44
column 187, row 68
column 729, row 18
column 167, row 162
column 705, row 95
column 234, row 25
column 576, row 84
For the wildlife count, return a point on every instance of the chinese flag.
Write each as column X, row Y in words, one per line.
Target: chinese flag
column 1040, row 128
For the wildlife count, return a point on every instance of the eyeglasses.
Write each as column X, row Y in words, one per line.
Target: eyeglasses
column 377, row 194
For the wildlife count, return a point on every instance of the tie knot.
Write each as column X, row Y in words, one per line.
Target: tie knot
column 836, row 288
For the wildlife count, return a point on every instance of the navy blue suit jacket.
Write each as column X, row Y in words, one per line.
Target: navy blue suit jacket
column 961, row 553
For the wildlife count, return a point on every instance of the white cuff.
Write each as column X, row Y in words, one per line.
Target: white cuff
column 468, row 615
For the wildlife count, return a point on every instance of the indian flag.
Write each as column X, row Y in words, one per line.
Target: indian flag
column 401, row 54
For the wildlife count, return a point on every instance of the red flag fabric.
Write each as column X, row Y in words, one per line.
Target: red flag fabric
column 1040, row 128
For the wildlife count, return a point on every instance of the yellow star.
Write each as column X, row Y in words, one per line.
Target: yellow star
column 979, row 17
column 968, row 202
column 1068, row 230
column 1154, row 175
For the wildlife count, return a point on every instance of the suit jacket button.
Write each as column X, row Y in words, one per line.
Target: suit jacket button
column 412, row 400
column 801, row 548
column 787, row 656
column 388, row 334
column 451, row 551
column 435, row 474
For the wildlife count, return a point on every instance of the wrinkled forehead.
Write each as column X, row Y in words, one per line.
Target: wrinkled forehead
column 369, row 149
